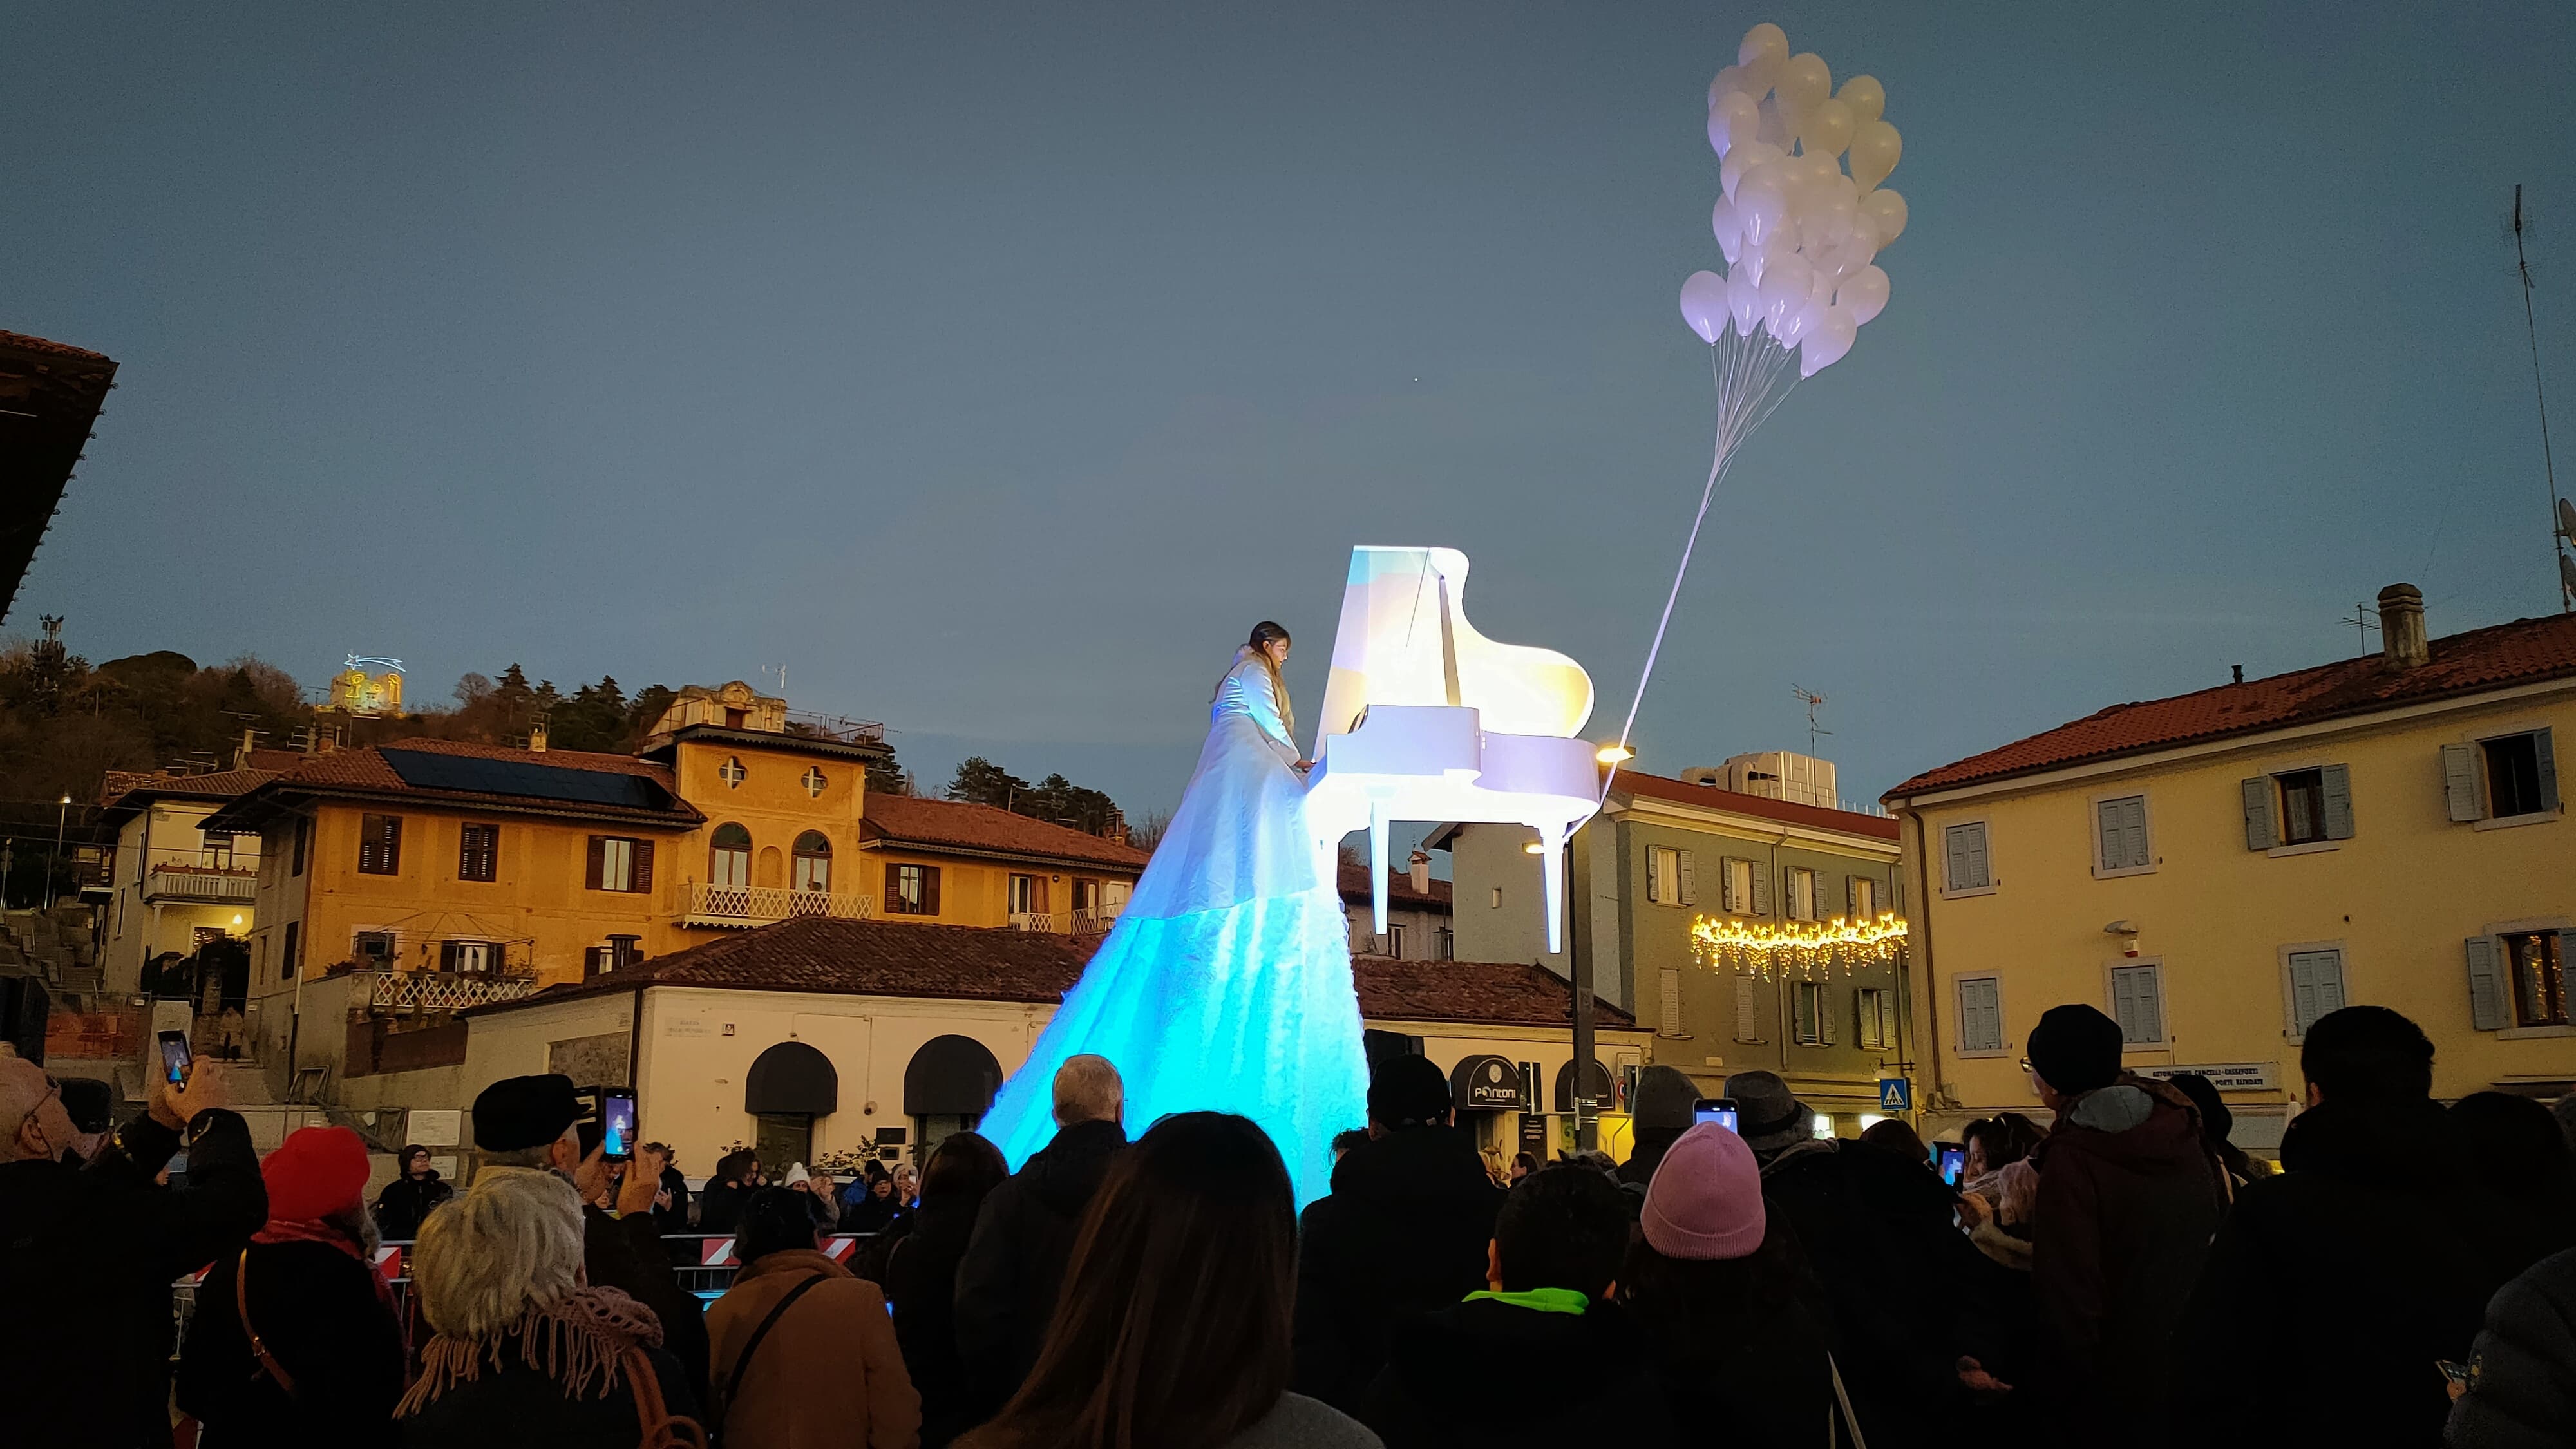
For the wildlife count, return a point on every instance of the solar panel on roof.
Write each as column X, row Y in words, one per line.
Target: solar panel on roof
column 524, row 778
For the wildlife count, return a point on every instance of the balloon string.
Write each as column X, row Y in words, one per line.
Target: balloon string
column 1746, row 396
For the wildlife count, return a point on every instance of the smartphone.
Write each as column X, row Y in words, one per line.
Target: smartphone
column 1720, row 1110
column 175, row 1057
column 617, row 1118
column 1954, row 1162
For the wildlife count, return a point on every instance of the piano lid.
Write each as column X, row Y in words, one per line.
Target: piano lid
column 1404, row 639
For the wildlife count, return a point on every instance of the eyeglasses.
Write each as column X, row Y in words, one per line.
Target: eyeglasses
column 2025, row 1064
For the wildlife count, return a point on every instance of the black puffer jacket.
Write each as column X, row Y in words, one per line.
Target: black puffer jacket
column 1403, row 1231
column 405, row 1203
column 1437, row 1389
column 325, row 1321
column 2522, row 1376
column 2368, row 1272
column 921, row 1286
column 1015, row 1262
column 87, row 1256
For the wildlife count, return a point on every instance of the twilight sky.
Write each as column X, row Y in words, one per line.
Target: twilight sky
column 995, row 368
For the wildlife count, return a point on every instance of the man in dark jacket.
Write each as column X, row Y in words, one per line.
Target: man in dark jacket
column 671, row 1204
column 736, row 1178
column 1023, row 1238
column 1877, row 1232
column 1550, row 1268
column 1404, row 1230
column 1663, row 1113
column 87, row 1255
column 2364, row 1255
column 405, row 1203
column 533, row 1122
column 2522, row 1375
column 2128, row 1196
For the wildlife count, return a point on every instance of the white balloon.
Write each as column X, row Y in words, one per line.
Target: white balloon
column 1728, row 78
column 1743, row 300
column 1865, row 293
column 1796, row 328
column 1829, row 128
column 1727, row 225
column 1764, row 50
column 1850, row 254
column 1875, row 149
column 1803, row 81
column 1828, row 339
column 1866, row 97
column 1756, row 258
column 1743, row 157
column 1829, row 216
column 1784, row 291
column 1886, row 212
column 1743, row 118
column 1774, row 128
column 1763, row 199
column 1704, row 305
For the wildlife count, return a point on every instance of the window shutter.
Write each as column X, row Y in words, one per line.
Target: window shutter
column 2540, row 749
column 1889, row 1031
column 1726, row 900
column 1789, row 893
column 598, row 859
column 1980, row 1016
column 1690, row 876
column 2338, row 782
column 2151, row 1006
column 643, row 874
column 2124, row 1004
column 1828, row 1014
column 1654, row 874
column 2316, row 987
column 1802, row 1012
column 1670, row 1004
column 1761, row 879
column 893, row 887
column 496, row 958
column 2460, row 782
column 1975, row 858
column 930, row 890
column 2133, row 834
column 2486, row 989
column 1851, row 896
column 2108, row 846
column 2259, row 832
column 1748, row 1010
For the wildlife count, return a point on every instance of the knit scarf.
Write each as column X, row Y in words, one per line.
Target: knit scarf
column 312, row 1230
column 575, row 1340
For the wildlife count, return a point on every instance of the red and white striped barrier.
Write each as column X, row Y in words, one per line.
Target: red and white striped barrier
column 715, row 1252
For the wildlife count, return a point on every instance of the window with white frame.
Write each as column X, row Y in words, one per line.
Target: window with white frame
column 2120, row 835
column 1966, row 866
column 1752, row 1015
column 1861, row 895
column 1736, row 891
column 1801, row 886
column 1395, row 941
column 1877, row 1011
column 2313, row 978
column 2503, row 777
column 1811, row 1017
column 2138, row 1003
column 374, row 950
column 470, row 958
column 2305, row 806
column 1981, row 1014
column 1668, row 876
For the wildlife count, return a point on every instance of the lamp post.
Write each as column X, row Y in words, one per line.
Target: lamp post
column 62, row 819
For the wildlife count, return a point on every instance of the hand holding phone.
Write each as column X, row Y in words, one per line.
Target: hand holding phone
column 1720, row 1110
column 617, row 1119
column 175, row 1057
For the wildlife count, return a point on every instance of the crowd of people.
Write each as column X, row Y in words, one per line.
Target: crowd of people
column 2122, row 1275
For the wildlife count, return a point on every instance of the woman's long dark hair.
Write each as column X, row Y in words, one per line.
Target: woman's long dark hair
column 961, row 1169
column 1172, row 1329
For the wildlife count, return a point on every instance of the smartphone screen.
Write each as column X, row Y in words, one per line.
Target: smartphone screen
column 175, row 1057
column 617, row 1113
column 1954, row 1162
column 1720, row 1110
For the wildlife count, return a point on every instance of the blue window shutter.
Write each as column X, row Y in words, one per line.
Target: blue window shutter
column 2338, row 783
column 2460, row 783
column 2486, row 987
column 2259, row 834
column 1980, row 1016
column 2316, row 987
column 2548, row 758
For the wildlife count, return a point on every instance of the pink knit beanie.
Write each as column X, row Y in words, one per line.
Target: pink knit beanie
column 1706, row 1197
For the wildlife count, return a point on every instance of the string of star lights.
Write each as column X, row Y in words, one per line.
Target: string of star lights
column 1756, row 948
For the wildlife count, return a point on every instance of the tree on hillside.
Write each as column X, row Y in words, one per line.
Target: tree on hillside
column 981, row 782
column 1055, row 799
column 593, row 719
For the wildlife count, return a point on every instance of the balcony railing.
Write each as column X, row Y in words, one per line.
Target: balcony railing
column 1092, row 920
column 202, row 875
column 442, row 990
column 1032, row 920
column 732, row 905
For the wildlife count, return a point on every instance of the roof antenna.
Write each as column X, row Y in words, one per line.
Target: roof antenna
column 2365, row 621
column 781, row 671
column 1813, row 701
column 2562, row 517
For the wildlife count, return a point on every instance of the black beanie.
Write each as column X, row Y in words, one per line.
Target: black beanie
column 2075, row 1049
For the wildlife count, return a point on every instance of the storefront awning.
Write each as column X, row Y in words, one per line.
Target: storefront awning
column 1486, row 1083
column 792, row 1079
column 951, row 1076
column 1598, row 1087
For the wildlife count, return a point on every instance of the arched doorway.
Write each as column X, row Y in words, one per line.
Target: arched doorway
column 947, row 1088
column 729, row 856
column 789, row 1085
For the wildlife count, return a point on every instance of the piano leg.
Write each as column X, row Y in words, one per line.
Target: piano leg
column 1552, row 873
column 1377, row 864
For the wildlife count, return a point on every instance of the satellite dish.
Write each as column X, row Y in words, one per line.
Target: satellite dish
column 2567, row 520
column 2567, row 575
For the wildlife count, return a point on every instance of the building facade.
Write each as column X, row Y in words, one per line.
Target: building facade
column 1729, row 925
column 1417, row 913
column 175, row 888
column 2218, row 869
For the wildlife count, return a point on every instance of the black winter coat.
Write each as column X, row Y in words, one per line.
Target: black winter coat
column 405, row 1203
column 921, row 1285
column 87, row 1256
column 1015, row 1261
column 627, row 1254
column 1403, row 1231
column 2522, row 1375
column 2367, row 1271
column 318, row 1311
column 720, row 1206
column 1593, row 1386
column 675, row 1218
column 509, row 1405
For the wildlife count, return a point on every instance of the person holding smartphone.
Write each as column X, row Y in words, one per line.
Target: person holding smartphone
column 99, row 1245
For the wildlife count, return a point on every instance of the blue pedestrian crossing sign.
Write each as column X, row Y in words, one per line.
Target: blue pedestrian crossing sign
column 1895, row 1094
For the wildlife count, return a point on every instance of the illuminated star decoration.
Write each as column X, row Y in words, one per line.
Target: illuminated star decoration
column 1755, row 948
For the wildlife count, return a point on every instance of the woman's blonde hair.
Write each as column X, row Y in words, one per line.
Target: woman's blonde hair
column 509, row 1243
column 1256, row 648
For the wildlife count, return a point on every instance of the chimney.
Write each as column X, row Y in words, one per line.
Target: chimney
column 1419, row 867
column 241, row 756
column 2401, row 629
column 537, row 735
column 2239, row 671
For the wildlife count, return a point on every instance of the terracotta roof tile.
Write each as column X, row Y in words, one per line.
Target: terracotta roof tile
column 2525, row 651
column 26, row 343
column 1399, row 888
column 957, row 825
column 978, row 963
column 1786, row 811
column 214, row 785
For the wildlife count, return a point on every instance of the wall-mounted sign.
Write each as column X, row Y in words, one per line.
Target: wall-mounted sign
column 686, row 1026
column 2225, row 1076
column 435, row 1128
column 1485, row 1083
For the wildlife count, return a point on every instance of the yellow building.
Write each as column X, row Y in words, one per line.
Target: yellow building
column 175, row 887
column 2218, row 869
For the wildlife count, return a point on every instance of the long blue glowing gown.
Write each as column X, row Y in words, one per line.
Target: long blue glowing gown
column 1226, row 984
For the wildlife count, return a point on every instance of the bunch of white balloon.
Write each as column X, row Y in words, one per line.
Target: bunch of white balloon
column 1800, row 237
column 1799, row 233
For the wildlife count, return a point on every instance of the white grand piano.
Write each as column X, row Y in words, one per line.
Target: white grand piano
column 1425, row 719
